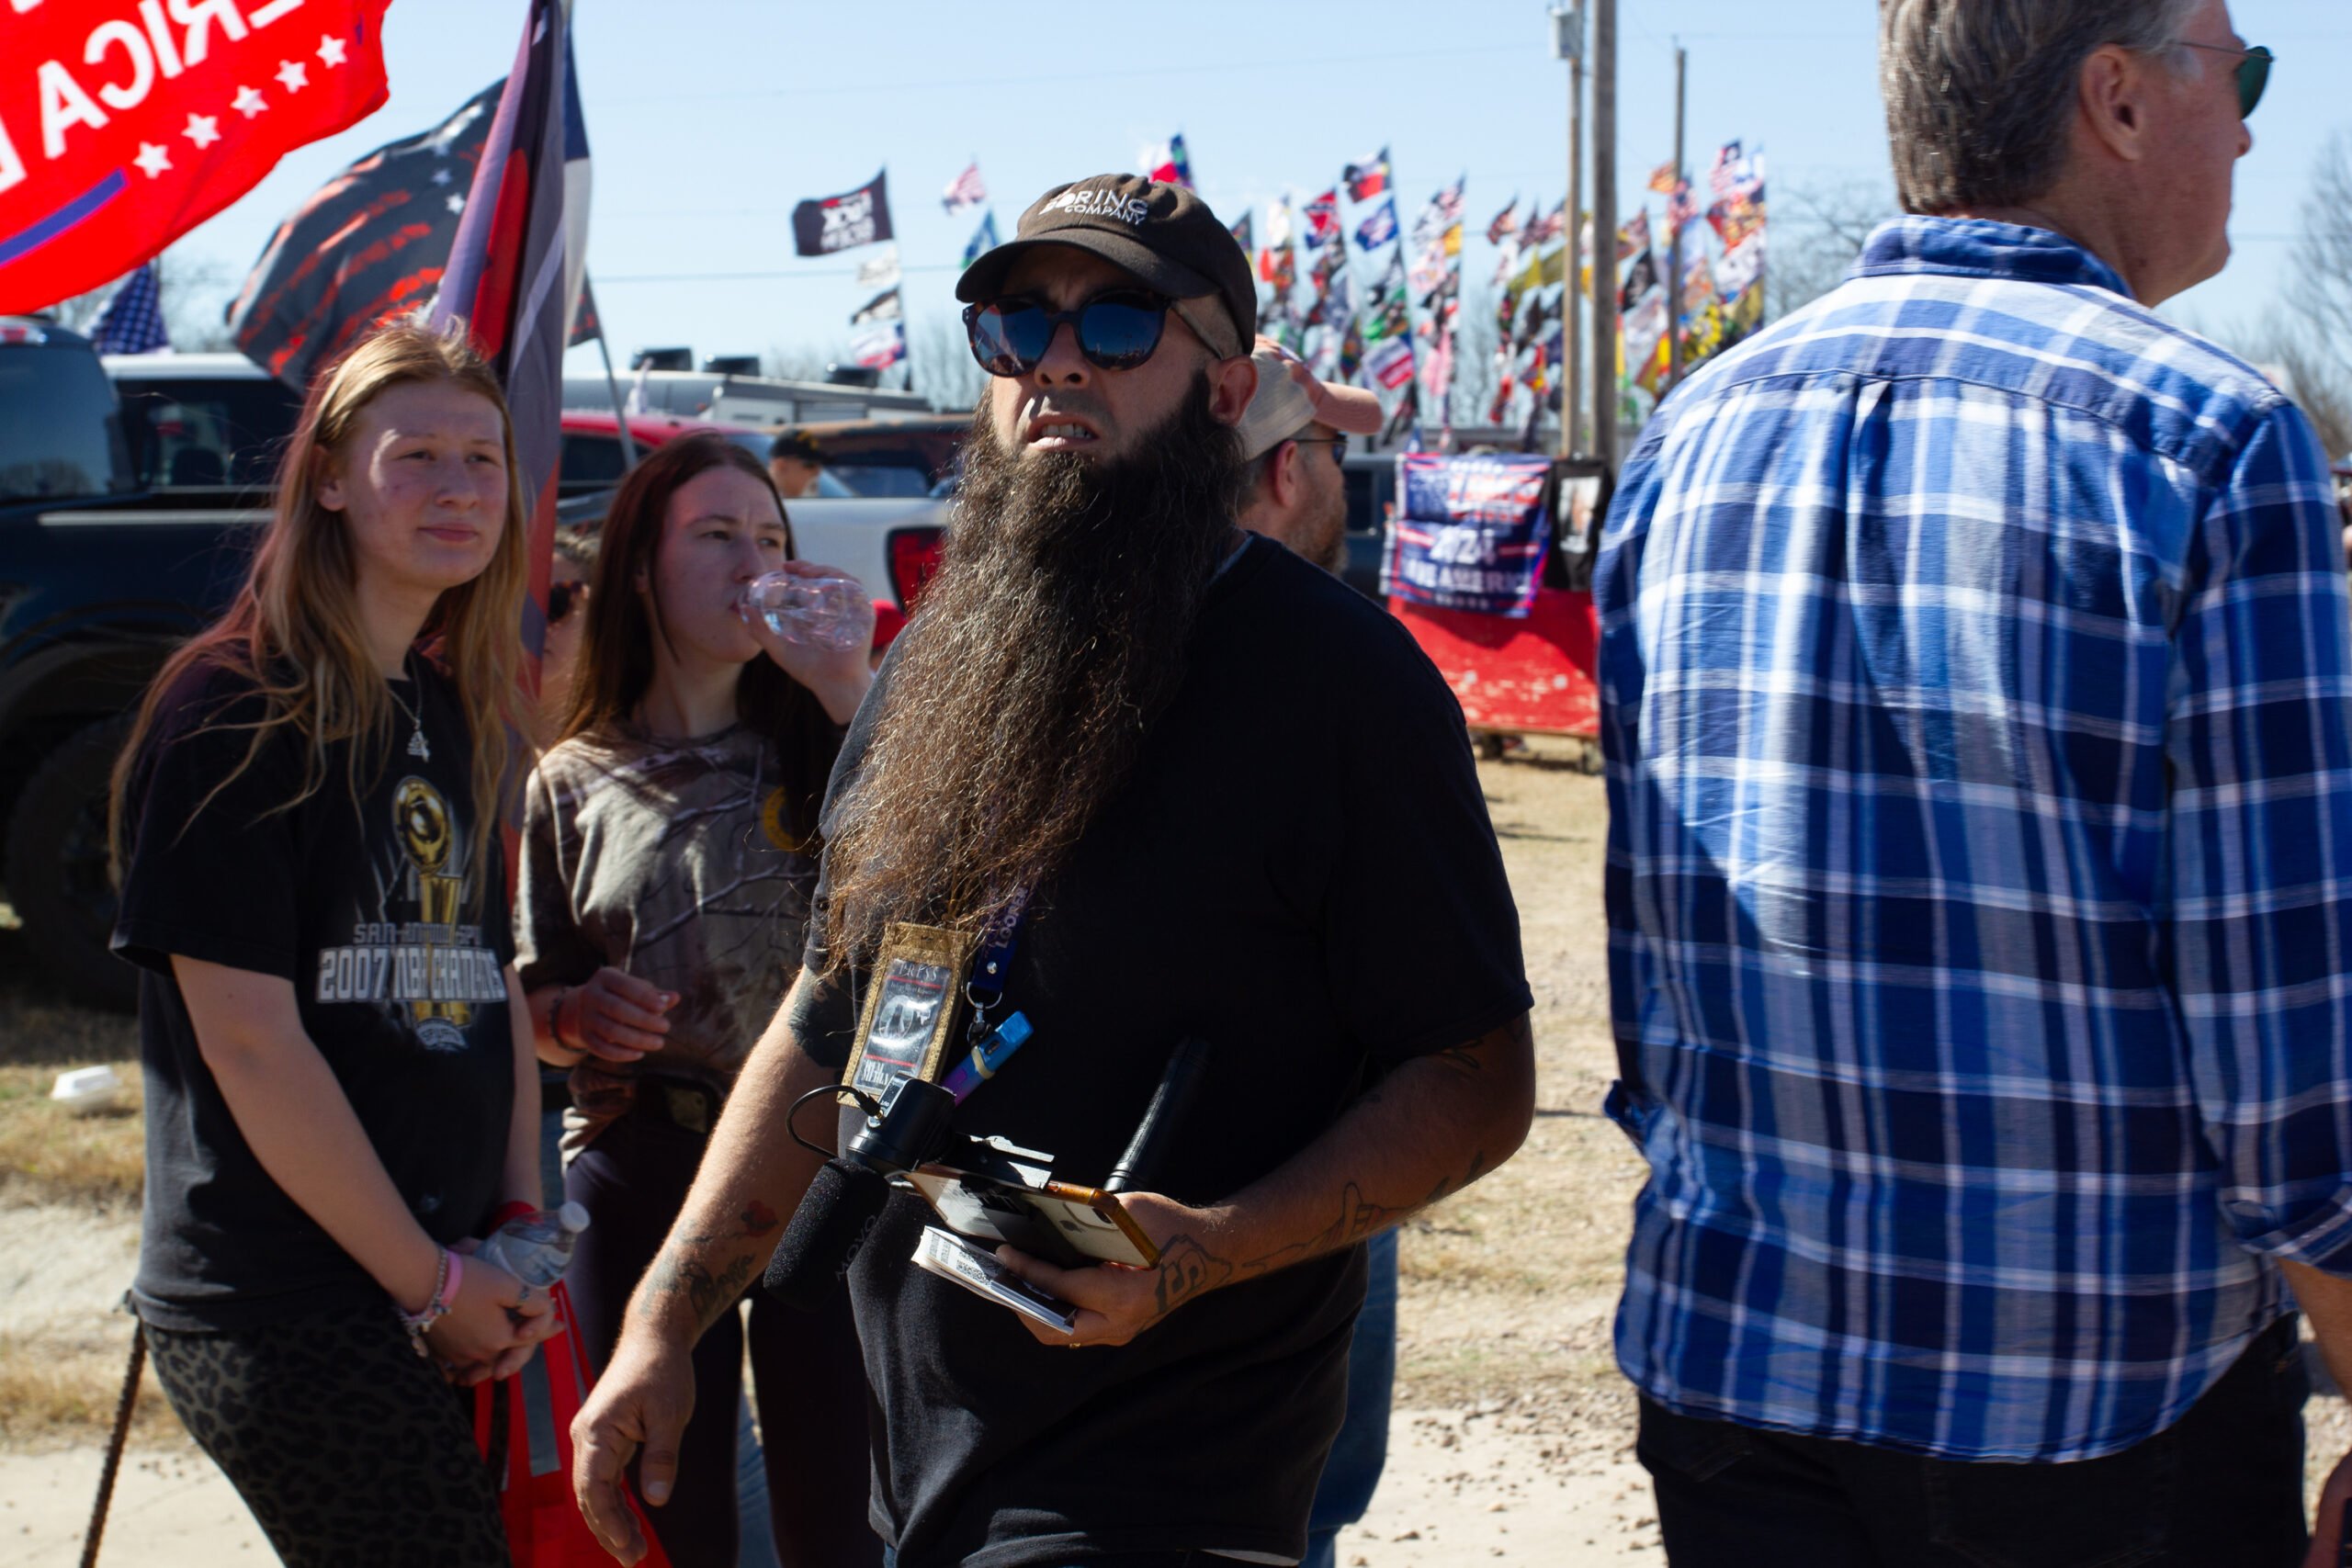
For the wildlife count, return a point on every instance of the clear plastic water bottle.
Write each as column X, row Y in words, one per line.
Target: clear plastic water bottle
column 536, row 1248
column 822, row 611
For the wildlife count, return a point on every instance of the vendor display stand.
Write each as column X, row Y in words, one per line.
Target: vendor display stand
column 1494, row 583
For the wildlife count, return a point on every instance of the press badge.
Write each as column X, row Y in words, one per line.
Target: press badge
column 910, row 1009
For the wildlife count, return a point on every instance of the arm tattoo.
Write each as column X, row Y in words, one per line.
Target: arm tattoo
column 684, row 1268
column 1187, row 1269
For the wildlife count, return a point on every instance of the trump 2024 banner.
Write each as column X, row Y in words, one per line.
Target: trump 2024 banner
column 125, row 123
column 1469, row 534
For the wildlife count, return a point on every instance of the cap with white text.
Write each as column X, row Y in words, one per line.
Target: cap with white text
column 1163, row 233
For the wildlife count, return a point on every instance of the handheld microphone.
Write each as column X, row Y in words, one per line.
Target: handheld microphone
column 848, row 1191
column 843, row 1201
column 1155, row 1135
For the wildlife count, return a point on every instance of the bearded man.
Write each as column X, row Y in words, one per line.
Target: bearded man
column 1112, row 737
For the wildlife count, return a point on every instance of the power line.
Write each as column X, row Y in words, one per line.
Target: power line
column 755, row 277
column 1287, row 65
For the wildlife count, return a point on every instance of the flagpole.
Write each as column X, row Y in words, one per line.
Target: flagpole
column 613, row 384
column 1569, row 44
column 1674, row 239
column 1604, row 233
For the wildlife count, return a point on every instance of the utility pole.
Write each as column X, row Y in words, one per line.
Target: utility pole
column 1674, row 239
column 1568, row 44
column 1605, row 232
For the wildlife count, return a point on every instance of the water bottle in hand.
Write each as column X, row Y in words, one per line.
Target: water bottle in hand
column 536, row 1248
column 822, row 611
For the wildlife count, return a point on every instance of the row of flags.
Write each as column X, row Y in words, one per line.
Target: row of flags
column 370, row 246
column 1396, row 330
column 1718, row 298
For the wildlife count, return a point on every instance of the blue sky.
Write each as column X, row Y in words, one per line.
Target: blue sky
column 708, row 119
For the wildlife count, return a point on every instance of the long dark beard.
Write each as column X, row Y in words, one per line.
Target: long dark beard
column 1055, row 633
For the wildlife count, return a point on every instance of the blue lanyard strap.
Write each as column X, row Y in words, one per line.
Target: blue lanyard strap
column 993, row 965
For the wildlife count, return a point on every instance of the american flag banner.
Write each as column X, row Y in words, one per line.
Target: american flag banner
column 365, row 248
column 509, row 269
column 1551, row 226
column 133, row 318
column 1505, row 223
column 964, row 191
column 1391, row 362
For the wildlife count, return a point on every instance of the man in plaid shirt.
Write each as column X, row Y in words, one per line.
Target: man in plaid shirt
column 1978, row 706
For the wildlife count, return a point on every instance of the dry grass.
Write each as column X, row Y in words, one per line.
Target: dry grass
column 52, row 1397
column 46, row 1154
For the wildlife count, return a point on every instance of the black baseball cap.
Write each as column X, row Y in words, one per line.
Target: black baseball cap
column 796, row 443
column 1163, row 233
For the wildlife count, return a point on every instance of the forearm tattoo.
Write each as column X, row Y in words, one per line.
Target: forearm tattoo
column 710, row 1272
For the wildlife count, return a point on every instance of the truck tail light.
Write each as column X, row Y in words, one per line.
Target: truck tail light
column 914, row 556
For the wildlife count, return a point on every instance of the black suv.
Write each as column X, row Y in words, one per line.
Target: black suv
column 100, row 578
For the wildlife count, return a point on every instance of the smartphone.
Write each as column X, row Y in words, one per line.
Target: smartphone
column 1070, row 1227
column 951, row 1257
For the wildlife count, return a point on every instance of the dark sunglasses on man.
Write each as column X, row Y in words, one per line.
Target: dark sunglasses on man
column 1117, row 330
column 562, row 597
column 2253, row 72
column 1337, row 444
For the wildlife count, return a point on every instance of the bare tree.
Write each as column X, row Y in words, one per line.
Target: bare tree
column 1475, row 372
column 805, row 362
column 940, row 365
column 1815, row 237
column 195, row 292
column 2306, row 335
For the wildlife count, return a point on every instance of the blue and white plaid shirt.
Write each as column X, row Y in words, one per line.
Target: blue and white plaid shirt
column 1978, row 708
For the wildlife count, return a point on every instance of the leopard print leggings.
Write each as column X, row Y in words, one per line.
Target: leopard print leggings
column 346, row 1444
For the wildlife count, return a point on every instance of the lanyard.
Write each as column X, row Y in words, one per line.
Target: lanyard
column 993, row 965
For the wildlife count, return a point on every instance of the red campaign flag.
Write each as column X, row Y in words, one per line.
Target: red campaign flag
column 123, row 126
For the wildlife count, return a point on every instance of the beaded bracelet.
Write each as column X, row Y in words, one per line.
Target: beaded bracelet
column 444, row 1297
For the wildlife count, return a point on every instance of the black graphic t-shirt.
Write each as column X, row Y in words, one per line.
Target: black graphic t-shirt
column 389, row 917
column 1300, row 872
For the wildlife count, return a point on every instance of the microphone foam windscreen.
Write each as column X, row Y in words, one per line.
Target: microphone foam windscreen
column 842, row 1200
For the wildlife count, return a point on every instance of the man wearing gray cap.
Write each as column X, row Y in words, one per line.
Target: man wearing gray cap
column 1106, row 758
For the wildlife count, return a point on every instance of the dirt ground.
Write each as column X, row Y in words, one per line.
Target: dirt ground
column 1511, row 1441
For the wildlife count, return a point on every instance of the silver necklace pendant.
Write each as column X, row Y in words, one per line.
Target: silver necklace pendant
column 416, row 746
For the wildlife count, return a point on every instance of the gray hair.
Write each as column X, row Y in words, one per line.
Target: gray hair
column 1979, row 92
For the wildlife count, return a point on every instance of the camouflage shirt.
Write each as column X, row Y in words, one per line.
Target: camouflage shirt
column 672, row 860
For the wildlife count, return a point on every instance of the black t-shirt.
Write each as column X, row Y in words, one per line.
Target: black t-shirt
column 389, row 917
column 1302, row 873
